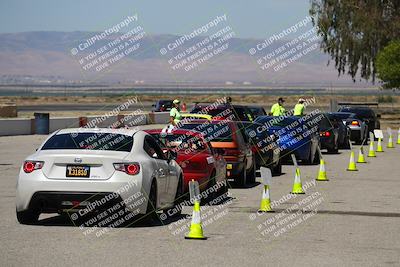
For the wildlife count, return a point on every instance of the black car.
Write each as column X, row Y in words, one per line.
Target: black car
column 336, row 119
column 364, row 113
column 162, row 105
column 329, row 134
column 224, row 111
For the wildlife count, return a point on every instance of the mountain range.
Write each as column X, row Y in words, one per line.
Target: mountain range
column 48, row 54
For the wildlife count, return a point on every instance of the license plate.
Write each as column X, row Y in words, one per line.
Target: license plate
column 78, row 171
column 229, row 166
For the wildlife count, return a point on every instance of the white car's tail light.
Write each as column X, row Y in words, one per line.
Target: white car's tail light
column 128, row 168
column 30, row 166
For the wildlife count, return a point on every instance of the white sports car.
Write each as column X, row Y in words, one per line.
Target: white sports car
column 84, row 170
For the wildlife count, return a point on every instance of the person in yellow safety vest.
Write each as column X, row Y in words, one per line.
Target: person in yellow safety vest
column 175, row 114
column 277, row 109
column 299, row 108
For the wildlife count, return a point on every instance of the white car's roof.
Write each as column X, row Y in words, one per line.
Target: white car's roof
column 124, row 131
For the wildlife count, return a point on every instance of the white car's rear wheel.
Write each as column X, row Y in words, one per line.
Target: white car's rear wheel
column 151, row 210
column 28, row 216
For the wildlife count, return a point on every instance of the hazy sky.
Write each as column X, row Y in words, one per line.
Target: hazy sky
column 248, row 18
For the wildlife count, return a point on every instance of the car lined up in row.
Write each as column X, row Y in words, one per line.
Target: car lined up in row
column 75, row 167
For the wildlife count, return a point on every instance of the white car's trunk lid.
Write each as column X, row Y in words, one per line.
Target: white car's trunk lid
column 79, row 164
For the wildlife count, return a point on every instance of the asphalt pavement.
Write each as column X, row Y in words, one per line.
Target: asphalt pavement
column 351, row 220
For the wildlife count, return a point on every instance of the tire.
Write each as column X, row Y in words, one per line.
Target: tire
column 223, row 190
column 277, row 170
column 211, row 183
column 316, row 158
column 242, row 179
column 346, row 144
column 310, row 158
column 178, row 198
column 151, row 210
column 28, row 217
column 251, row 176
column 179, row 192
column 333, row 151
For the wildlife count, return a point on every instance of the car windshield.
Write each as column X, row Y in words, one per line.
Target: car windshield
column 217, row 112
column 213, row 132
column 180, row 141
column 90, row 141
column 361, row 112
column 342, row 116
column 325, row 122
column 257, row 111
column 242, row 114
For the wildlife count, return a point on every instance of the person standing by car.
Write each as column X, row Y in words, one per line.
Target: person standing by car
column 175, row 113
column 277, row 109
column 299, row 108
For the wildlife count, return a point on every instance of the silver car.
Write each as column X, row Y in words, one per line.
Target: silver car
column 80, row 171
column 358, row 127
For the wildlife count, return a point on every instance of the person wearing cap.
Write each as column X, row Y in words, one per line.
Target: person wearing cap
column 277, row 109
column 299, row 108
column 175, row 113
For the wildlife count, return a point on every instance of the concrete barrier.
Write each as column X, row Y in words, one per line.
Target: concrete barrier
column 15, row 127
column 158, row 117
column 63, row 122
column 26, row 126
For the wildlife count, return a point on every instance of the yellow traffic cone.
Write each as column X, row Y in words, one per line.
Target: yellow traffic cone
column 297, row 186
column 390, row 142
column 265, row 205
column 398, row 137
column 361, row 158
column 322, row 172
column 352, row 164
column 379, row 146
column 196, row 231
column 371, row 151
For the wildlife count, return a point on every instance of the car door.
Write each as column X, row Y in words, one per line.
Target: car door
column 245, row 145
column 172, row 180
column 160, row 167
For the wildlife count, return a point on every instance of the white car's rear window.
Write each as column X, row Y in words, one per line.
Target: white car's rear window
column 90, row 141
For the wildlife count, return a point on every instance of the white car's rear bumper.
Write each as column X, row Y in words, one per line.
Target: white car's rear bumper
column 128, row 188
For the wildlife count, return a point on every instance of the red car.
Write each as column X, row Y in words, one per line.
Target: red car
column 196, row 157
column 225, row 135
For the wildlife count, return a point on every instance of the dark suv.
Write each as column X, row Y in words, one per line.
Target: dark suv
column 366, row 114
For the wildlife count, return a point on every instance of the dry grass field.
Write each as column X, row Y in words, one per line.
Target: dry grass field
column 390, row 112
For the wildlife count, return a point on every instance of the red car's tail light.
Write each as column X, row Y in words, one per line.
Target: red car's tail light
column 30, row 166
column 128, row 168
column 217, row 118
column 326, row 134
column 356, row 123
